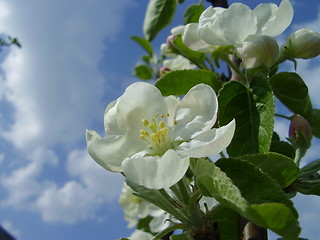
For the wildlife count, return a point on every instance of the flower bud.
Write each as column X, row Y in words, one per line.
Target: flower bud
column 303, row 43
column 299, row 125
column 169, row 39
column 256, row 51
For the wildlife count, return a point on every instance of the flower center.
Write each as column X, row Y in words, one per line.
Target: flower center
column 156, row 134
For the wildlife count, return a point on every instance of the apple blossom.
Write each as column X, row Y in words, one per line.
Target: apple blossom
column 136, row 208
column 151, row 138
column 303, row 43
column 258, row 51
column 232, row 26
column 140, row 235
column 178, row 63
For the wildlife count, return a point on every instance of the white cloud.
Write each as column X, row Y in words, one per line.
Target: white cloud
column 75, row 200
column 22, row 183
column 54, row 82
column 101, row 182
column 69, row 204
column 78, row 201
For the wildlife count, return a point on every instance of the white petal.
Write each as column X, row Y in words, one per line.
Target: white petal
column 172, row 103
column 208, row 143
column 110, row 120
column 238, row 23
column 196, row 112
column 156, row 172
column 140, row 235
column 230, row 26
column 192, row 39
column 139, row 101
column 177, row 30
column 110, row 151
column 279, row 21
column 209, row 27
column 178, row 63
column 263, row 13
column 258, row 50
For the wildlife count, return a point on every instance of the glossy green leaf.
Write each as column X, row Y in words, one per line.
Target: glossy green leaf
column 181, row 81
column 308, row 187
column 291, row 90
column 279, row 167
column 158, row 15
column 253, row 110
column 143, row 72
column 195, row 57
column 260, row 200
column 310, row 168
column 192, row 13
column 255, row 186
column 315, row 123
column 144, row 43
column 278, row 218
column 143, row 224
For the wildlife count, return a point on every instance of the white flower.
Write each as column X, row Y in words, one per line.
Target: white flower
column 140, row 235
column 135, row 208
column 178, row 63
column 151, row 138
column 303, row 43
column 258, row 51
column 191, row 38
column 219, row 26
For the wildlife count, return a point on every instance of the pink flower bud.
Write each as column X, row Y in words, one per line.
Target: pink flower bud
column 169, row 39
column 299, row 125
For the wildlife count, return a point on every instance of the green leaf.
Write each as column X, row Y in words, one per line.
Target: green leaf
column 256, row 199
column 143, row 224
column 278, row 218
column 158, row 15
column 281, row 147
column 143, row 72
column 255, row 186
column 315, row 123
column 227, row 220
column 291, row 90
column 279, row 167
column 181, row 81
column 160, row 199
column 196, row 57
column 308, row 187
column 253, row 110
column 215, row 183
column 144, row 43
column 310, row 168
column 192, row 13
column 180, row 1
column 183, row 236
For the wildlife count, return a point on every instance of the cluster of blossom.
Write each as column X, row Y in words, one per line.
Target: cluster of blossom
column 150, row 139
column 250, row 32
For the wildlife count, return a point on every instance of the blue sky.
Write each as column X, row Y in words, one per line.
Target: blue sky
column 76, row 58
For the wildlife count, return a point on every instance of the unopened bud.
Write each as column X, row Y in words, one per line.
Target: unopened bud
column 169, row 39
column 164, row 70
column 303, row 43
column 299, row 125
column 257, row 51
